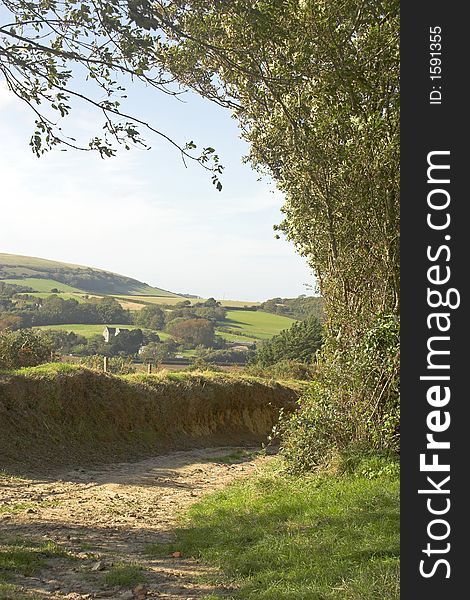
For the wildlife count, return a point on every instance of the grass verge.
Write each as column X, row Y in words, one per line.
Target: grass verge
column 278, row 537
column 26, row 558
column 125, row 575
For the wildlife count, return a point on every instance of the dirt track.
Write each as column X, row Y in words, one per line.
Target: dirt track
column 109, row 516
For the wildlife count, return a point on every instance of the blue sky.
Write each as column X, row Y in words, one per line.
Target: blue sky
column 142, row 213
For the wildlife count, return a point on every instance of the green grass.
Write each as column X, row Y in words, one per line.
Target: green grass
column 90, row 330
column 33, row 262
column 25, row 557
column 125, row 575
column 146, row 299
column 43, row 285
column 79, row 297
column 238, row 456
column 20, row 507
column 277, row 537
column 167, row 299
column 100, row 281
column 87, row 330
column 231, row 337
column 256, row 324
column 237, row 303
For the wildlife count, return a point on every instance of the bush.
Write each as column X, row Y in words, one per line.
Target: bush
column 23, row 348
column 300, row 342
column 194, row 332
column 117, row 365
column 354, row 405
column 285, row 369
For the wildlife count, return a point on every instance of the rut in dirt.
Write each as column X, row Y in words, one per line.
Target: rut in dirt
column 100, row 525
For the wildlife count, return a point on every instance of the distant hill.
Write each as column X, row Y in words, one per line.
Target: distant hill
column 44, row 275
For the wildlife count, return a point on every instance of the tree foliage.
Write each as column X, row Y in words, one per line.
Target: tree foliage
column 56, row 54
column 29, row 311
column 300, row 343
column 298, row 308
column 314, row 86
column 150, row 317
column 25, row 348
column 195, row 332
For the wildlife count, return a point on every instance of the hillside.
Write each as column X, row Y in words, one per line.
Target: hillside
column 44, row 275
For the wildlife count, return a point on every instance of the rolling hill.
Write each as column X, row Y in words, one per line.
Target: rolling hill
column 44, row 275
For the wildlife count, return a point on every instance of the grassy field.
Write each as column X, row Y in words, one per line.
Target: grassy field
column 276, row 537
column 32, row 262
column 132, row 303
column 256, row 324
column 43, row 285
column 143, row 300
column 91, row 279
column 65, row 296
column 243, row 325
column 90, row 330
column 238, row 303
column 172, row 300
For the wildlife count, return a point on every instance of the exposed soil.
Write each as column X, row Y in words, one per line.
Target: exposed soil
column 109, row 516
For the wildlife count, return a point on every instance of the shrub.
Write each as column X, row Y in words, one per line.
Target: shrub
column 117, row 365
column 23, row 348
column 300, row 342
column 285, row 369
column 354, row 405
column 193, row 331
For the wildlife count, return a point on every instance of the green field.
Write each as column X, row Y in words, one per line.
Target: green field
column 89, row 280
column 43, row 285
column 244, row 326
column 81, row 297
column 33, row 262
column 238, row 303
column 172, row 300
column 143, row 300
column 257, row 324
column 88, row 330
column 277, row 537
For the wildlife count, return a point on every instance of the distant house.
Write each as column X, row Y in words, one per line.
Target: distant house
column 110, row 332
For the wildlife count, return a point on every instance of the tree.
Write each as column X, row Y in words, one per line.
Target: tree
column 127, row 342
column 300, row 342
column 11, row 322
column 65, row 342
column 158, row 353
column 110, row 311
column 55, row 55
column 314, row 86
column 150, row 317
column 23, row 348
column 193, row 331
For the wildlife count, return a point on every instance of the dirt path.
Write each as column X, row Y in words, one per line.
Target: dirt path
column 108, row 517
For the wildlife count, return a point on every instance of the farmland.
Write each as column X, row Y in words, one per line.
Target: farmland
column 255, row 324
column 43, row 285
column 79, row 297
column 90, row 330
column 80, row 283
column 46, row 274
column 172, row 300
column 239, row 326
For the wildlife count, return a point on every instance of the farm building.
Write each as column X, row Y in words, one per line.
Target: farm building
column 110, row 332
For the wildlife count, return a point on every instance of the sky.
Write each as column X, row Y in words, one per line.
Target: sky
column 143, row 213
